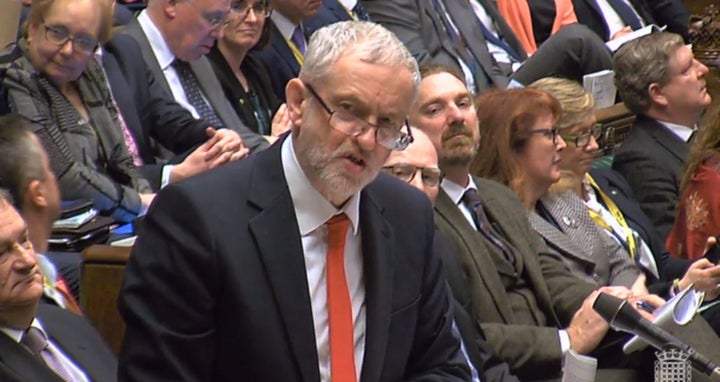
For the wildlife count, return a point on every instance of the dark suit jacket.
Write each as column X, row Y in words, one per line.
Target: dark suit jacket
column 652, row 159
column 489, row 366
column 618, row 189
column 533, row 352
column 660, row 12
column 211, row 292
column 419, row 26
column 258, row 81
column 71, row 333
column 148, row 109
column 209, row 85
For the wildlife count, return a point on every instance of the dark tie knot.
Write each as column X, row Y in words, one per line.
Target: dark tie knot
column 35, row 340
column 471, row 198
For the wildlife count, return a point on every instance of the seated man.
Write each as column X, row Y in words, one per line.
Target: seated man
column 659, row 80
column 25, row 173
column 40, row 342
column 473, row 37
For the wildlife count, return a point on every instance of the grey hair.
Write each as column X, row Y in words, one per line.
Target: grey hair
column 642, row 62
column 374, row 44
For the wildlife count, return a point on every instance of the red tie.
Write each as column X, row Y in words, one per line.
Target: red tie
column 342, row 348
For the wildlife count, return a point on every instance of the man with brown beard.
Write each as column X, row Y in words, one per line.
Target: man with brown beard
column 530, row 307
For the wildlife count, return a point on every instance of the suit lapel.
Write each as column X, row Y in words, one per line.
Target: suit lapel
column 209, row 85
column 378, row 259
column 283, row 259
column 17, row 358
column 667, row 139
column 477, row 247
column 563, row 242
column 280, row 45
column 134, row 29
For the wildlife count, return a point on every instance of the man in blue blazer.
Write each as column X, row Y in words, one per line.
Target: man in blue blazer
column 228, row 280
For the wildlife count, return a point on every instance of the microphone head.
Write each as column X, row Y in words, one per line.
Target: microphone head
column 617, row 312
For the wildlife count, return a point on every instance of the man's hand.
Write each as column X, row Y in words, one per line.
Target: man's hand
column 705, row 277
column 587, row 328
column 223, row 146
column 621, row 32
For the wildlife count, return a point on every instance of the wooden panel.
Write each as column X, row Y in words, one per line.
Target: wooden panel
column 102, row 272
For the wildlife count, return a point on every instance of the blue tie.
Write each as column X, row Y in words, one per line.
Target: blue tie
column 626, row 14
column 491, row 37
column 191, row 87
column 471, row 198
column 360, row 12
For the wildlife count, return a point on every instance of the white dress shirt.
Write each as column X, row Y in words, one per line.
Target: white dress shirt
column 165, row 58
column 69, row 365
column 313, row 211
column 682, row 132
column 456, row 192
column 613, row 21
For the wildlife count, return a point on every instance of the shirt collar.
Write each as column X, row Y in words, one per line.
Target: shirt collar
column 348, row 4
column 456, row 191
column 285, row 26
column 159, row 46
column 311, row 208
column 16, row 334
column 682, row 132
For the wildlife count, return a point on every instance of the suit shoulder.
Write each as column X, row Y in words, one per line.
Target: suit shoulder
column 497, row 190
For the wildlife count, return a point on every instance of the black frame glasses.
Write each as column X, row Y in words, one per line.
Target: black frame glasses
column 548, row 133
column 583, row 140
column 242, row 8
column 59, row 36
column 431, row 176
column 390, row 137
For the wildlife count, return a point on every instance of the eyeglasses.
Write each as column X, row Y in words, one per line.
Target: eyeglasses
column 431, row 176
column 60, row 36
column 214, row 21
column 582, row 140
column 387, row 134
column 242, row 8
column 548, row 133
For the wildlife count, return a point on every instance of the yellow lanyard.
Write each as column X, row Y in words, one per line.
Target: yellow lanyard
column 351, row 14
column 615, row 211
column 296, row 52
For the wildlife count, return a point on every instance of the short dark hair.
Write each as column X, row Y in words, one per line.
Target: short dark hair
column 21, row 158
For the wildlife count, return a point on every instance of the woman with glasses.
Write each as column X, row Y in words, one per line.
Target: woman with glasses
column 54, row 81
column 244, row 79
column 608, row 199
column 520, row 146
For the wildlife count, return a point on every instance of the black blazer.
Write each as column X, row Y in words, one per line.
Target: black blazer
column 258, row 81
column 618, row 189
column 652, row 160
column 71, row 333
column 149, row 111
column 660, row 12
column 216, row 287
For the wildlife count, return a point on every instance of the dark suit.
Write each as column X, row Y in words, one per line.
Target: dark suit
column 618, row 189
column 652, row 159
column 71, row 333
column 660, row 12
column 149, row 111
column 571, row 52
column 209, row 85
column 218, row 290
column 524, row 336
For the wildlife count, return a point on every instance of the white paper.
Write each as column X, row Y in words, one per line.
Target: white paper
column 615, row 44
column 602, row 87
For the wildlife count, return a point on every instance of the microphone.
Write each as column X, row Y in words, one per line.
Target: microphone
column 621, row 316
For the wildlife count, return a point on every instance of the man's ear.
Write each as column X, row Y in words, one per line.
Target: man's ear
column 656, row 94
column 296, row 98
column 169, row 8
column 35, row 194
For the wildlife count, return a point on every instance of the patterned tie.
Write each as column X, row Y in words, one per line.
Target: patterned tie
column 191, row 86
column 626, row 14
column 36, row 341
column 472, row 200
column 298, row 38
column 342, row 348
column 127, row 135
column 360, row 12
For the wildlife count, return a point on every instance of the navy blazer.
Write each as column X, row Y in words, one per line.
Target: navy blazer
column 152, row 115
column 617, row 189
column 71, row 333
column 216, row 287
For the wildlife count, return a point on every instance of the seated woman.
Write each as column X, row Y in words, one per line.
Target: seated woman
column 698, row 215
column 55, row 83
column 244, row 79
column 608, row 199
column 520, row 147
column 534, row 21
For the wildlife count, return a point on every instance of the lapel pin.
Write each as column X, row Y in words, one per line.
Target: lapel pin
column 570, row 222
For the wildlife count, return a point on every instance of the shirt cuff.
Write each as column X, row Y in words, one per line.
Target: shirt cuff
column 564, row 341
column 165, row 179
